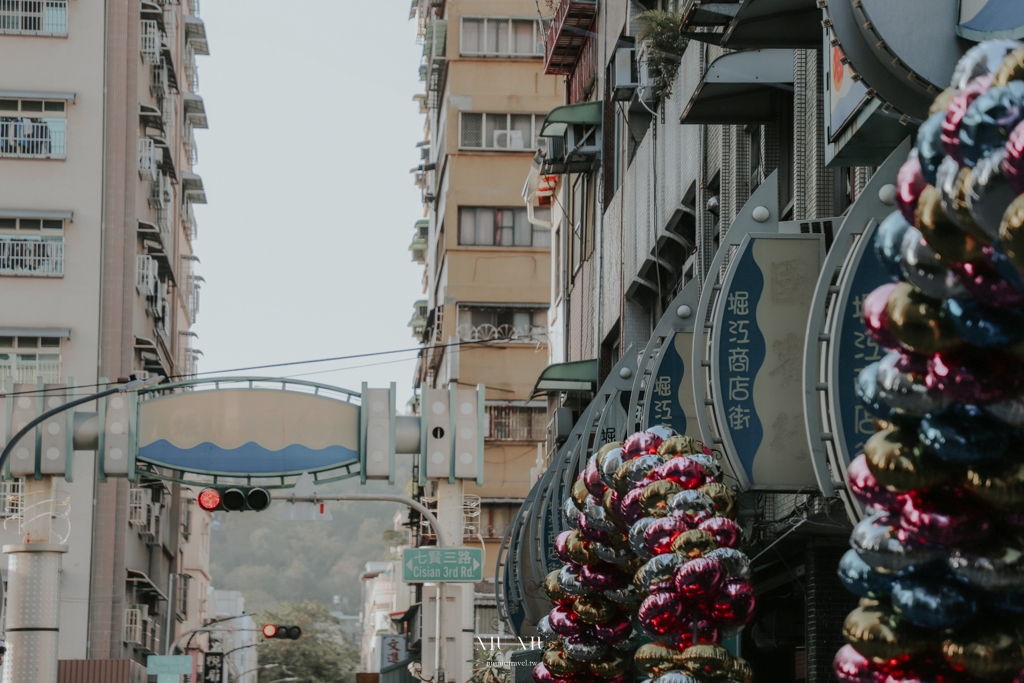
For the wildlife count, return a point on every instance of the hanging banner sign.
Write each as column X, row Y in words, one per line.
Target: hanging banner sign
column 756, row 360
column 670, row 403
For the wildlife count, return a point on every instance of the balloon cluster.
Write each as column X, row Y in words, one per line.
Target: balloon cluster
column 939, row 562
column 653, row 578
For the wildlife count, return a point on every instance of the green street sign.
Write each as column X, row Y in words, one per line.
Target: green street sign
column 177, row 664
column 442, row 564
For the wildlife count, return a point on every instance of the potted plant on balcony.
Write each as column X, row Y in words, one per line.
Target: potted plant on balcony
column 661, row 46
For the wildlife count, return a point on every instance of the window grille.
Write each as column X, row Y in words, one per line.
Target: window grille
column 149, row 42
column 147, row 159
column 493, row 37
column 138, row 500
column 32, row 138
column 515, row 423
column 32, row 256
column 158, row 87
column 146, row 282
column 167, row 109
column 498, row 131
column 133, row 625
column 26, row 358
column 181, row 596
column 11, row 502
column 34, row 17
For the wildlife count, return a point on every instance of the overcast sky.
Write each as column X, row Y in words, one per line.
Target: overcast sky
column 304, row 242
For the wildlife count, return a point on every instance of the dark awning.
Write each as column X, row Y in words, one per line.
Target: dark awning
column 739, row 88
column 775, row 23
column 192, row 187
column 151, row 117
column 560, row 118
column 195, row 109
column 144, row 585
column 195, row 34
column 579, row 375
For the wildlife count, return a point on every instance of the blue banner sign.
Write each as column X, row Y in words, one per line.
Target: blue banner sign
column 669, row 402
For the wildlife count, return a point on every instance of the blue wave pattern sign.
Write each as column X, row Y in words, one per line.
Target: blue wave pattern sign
column 742, row 353
column 667, row 389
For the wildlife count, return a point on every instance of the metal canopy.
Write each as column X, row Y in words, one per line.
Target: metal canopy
column 195, row 110
column 150, row 117
column 578, row 375
column 192, row 185
column 559, row 119
column 739, row 88
column 774, row 24
column 195, row 33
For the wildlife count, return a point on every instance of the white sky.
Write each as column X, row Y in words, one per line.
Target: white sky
column 304, row 244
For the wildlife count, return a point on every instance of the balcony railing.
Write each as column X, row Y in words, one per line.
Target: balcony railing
column 34, row 257
column 34, row 17
column 569, row 30
column 188, row 221
column 32, row 138
column 25, row 369
column 191, row 71
column 189, row 141
column 193, row 6
column 149, row 42
column 515, row 423
column 147, row 159
column 146, row 275
column 487, row 332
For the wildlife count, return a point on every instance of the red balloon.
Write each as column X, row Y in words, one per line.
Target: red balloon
column 560, row 549
column 734, row 605
column 940, row 518
column 853, row 667
column 727, row 533
column 866, row 488
column 641, row 443
column 601, row 576
column 661, row 613
column 564, row 621
column 705, row 632
column 614, row 631
column 592, row 479
column 975, row 377
column 701, row 578
column 659, row 535
column 684, row 471
column 629, row 506
column 876, row 317
column 910, row 183
column 985, row 283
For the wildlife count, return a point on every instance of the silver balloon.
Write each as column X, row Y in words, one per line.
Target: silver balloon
column 1010, row 411
column 662, row 432
column 609, row 465
column 691, row 504
column 999, row 567
column 571, row 513
column 711, row 465
column 946, row 184
column 584, row 652
column 597, row 515
column 878, row 544
column 545, row 632
column 922, row 269
column 735, row 561
column 627, row 595
column 990, row 193
column 640, row 467
column 899, row 391
column 611, row 555
column 568, row 582
column 981, row 59
column 659, row 571
column 676, row 677
column 636, row 537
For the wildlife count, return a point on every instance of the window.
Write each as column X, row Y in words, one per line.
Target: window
column 26, row 358
column 32, row 129
column 149, row 42
column 515, row 423
column 487, row 227
column 34, row 17
column 483, row 323
column 32, row 247
column 498, row 131
column 490, row 37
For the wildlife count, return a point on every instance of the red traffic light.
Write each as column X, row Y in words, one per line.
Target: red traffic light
column 209, row 499
column 279, row 631
column 270, row 631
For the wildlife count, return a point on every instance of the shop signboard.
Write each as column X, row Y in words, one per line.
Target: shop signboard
column 988, row 19
column 670, row 400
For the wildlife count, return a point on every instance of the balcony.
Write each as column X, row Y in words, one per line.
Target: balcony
column 29, row 138
column 515, row 423
column 26, row 367
column 419, row 243
column 195, row 35
column 567, row 35
column 34, row 17
column 188, row 221
column 509, row 333
column 32, row 256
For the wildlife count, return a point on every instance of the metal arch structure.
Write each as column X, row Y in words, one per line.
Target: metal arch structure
column 832, row 341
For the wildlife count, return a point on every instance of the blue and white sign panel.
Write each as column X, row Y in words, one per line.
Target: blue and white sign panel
column 756, row 359
column 988, row 19
column 670, row 402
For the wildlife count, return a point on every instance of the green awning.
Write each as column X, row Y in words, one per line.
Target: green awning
column 586, row 113
column 579, row 375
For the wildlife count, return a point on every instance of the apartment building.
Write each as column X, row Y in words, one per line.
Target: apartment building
column 98, row 108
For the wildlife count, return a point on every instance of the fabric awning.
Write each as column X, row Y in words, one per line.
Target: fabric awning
column 738, row 88
column 579, row 375
column 560, row 118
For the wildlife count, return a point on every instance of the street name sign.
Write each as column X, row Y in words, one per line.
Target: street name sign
column 178, row 664
column 442, row 564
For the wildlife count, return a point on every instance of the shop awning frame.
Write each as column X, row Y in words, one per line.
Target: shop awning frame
column 740, row 87
column 578, row 375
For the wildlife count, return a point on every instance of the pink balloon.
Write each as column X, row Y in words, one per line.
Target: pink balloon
column 564, row 621
column 641, row 443
column 876, row 317
column 985, row 283
column 727, row 533
column 684, row 471
column 601, row 577
column 944, row 519
column 560, row 550
column 614, row 631
column 955, row 114
column 866, row 488
column 734, row 605
column 659, row 535
column 629, row 507
column 662, row 613
column 976, row 377
column 542, row 675
column 851, row 666
column 910, row 183
column 701, row 578
column 592, row 479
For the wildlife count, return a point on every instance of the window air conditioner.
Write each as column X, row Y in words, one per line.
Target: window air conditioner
column 625, row 77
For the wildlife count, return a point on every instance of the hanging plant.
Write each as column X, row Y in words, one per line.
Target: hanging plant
column 664, row 51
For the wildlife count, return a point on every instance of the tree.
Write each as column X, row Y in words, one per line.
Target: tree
column 321, row 655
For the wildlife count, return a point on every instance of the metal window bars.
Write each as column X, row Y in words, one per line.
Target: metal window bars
column 147, row 159
column 149, row 42
column 191, row 71
column 23, row 508
column 12, row 502
column 158, row 83
column 193, row 6
column 133, row 625
column 138, row 499
column 515, row 423
column 189, row 141
column 188, row 220
column 488, row 332
column 181, row 596
column 33, row 257
column 147, row 278
column 34, row 17
column 470, row 517
column 32, row 138
column 167, row 108
column 25, row 368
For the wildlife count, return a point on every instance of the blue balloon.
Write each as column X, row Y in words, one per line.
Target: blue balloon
column 867, row 391
column 964, row 434
column 889, row 243
column 987, row 123
column 983, row 325
column 933, row 604
column 930, row 151
column 860, row 579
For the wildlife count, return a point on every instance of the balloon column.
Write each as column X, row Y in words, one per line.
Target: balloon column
column 939, row 562
column 653, row 578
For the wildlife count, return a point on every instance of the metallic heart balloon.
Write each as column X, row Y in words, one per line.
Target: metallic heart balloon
column 682, row 445
column 696, row 632
column 570, row 583
column 583, row 650
column 875, row 315
column 602, row 577
column 910, row 183
column 655, row 659
column 628, row 596
column 684, row 471
column 985, row 283
column 870, row 394
column 662, row 613
column 708, row 661
column 1010, row 412
column 658, row 574
column 598, row 516
column 998, row 565
column 933, row 603
column 954, row 114
column 867, row 489
column 654, row 497
column 921, row 267
column 659, row 535
column 700, row 578
column 594, row 609
column 633, row 471
column 861, row 579
column 851, row 666
column 578, row 549
column 545, row 632
column 736, row 563
column 541, row 674
column 899, row 462
column 985, row 326
column 734, row 605
column 579, row 493
column 694, row 506
column 948, row 241
column 930, row 151
column 917, row 322
column 560, row 550
column 588, row 530
column 553, row 589
column 727, row 533
column 611, row 554
column 709, row 463
column 559, row 663
column 901, row 384
column 883, row 636
column 610, row 464
column 636, row 537
column 723, row 498
column 941, row 519
column 964, row 434
column 888, row 243
column 879, row 544
column 564, row 621
column 592, row 478
column 694, row 543
column 610, row 666
column 676, row 677
column 641, row 443
column 615, row 630
column 629, row 507
column 571, row 513
column 998, row 484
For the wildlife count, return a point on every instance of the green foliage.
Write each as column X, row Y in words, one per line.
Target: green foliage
column 490, row 666
column 274, row 561
column 667, row 43
column 321, row 655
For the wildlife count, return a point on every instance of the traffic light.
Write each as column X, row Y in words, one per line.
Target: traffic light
column 234, row 499
column 279, row 631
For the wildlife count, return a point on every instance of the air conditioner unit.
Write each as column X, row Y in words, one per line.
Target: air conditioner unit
column 645, row 87
column 625, row 78
column 509, row 139
column 563, row 424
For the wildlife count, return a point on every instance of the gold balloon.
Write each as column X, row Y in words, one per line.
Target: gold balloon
column 579, row 494
column 619, row 481
column 655, row 659
column 918, row 322
column 1012, row 69
column 552, row 589
column 694, row 543
column 559, row 663
column 1002, row 487
column 740, row 670
column 707, row 661
column 723, row 498
column 900, row 463
column 579, row 549
column 942, row 101
column 594, row 609
column 609, row 666
column 960, row 208
column 882, row 635
column 947, row 240
column 654, row 499
column 990, row 654
column 610, row 508
column 680, row 445
column 1011, row 233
